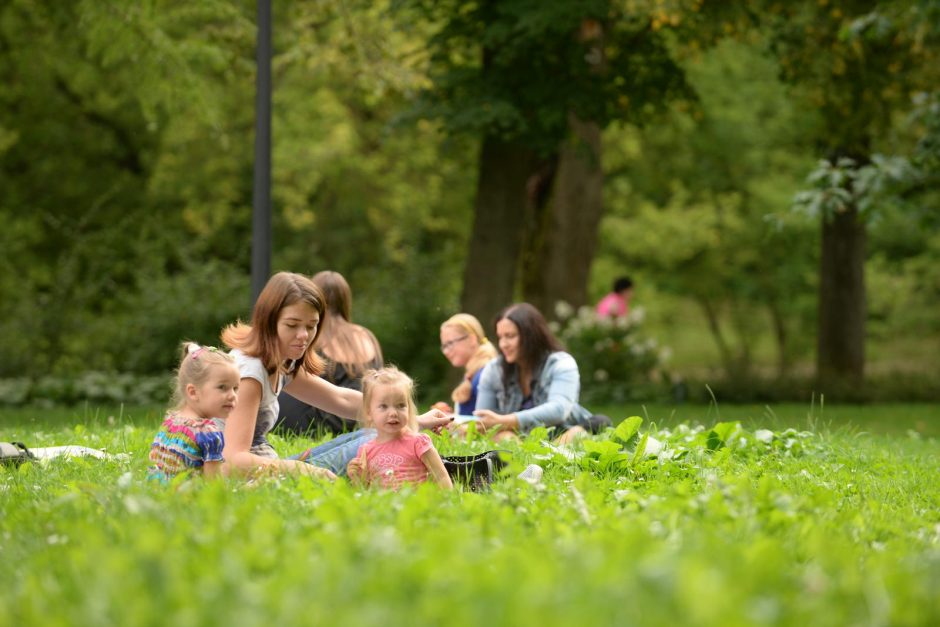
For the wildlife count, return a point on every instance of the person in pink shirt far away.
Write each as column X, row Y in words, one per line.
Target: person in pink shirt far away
column 617, row 303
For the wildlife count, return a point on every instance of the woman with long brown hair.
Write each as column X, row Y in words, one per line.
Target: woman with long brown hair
column 534, row 382
column 275, row 353
column 348, row 351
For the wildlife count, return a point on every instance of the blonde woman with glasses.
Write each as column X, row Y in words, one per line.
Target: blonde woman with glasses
column 465, row 345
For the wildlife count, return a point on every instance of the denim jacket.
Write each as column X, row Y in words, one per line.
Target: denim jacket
column 555, row 390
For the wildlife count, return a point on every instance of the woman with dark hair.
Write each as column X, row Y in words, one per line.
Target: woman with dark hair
column 533, row 382
column 348, row 351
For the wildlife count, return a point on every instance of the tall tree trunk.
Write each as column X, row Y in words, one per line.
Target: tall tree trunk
column 781, row 335
column 502, row 200
column 714, row 325
column 561, row 245
column 840, row 352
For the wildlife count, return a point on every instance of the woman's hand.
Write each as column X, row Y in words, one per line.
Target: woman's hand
column 297, row 467
column 444, row 407
column 434, row 420
column 489, row 419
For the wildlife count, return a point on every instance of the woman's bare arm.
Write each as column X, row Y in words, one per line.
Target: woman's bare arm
column 322, row 394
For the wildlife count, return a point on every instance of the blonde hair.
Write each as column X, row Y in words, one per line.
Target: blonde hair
column 484, row 353
column 389, row 375
column 195, row 363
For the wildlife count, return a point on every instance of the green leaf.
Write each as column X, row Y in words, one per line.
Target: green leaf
column 640, row 449
column 718, row 436
column 600, row 449
column 627, row 430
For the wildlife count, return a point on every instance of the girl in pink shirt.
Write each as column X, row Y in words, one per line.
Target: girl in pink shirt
column 398, row 454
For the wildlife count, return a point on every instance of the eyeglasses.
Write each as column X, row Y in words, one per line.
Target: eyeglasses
column 446, row 346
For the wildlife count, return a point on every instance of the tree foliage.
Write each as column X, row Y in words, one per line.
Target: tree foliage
column 125, row 160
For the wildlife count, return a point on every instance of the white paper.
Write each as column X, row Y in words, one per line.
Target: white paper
column 50, row 452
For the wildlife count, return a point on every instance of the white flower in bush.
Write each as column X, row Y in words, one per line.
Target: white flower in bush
column 764, row 435
column 563, row 310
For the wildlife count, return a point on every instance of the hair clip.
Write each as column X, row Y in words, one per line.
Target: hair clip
column 195, row 350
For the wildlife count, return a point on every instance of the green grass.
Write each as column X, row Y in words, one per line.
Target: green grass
column 877, row 419
column 838, row 525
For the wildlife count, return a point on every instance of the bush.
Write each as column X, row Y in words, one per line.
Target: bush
column 100, row 388
column 617, row 363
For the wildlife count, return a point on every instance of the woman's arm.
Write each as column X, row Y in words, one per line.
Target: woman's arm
column 435, row 465
column 562, row 388
column 489, row 419
column 240, row 429
column 488, row 386
column 434, row 420
column 316, row 391
column 487, row 405
column 239, row 432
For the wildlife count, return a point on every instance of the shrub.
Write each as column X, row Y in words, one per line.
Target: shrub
column 90, row 387
column 617, row 362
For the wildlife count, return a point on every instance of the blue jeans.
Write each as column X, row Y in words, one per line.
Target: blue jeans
column 336, row 454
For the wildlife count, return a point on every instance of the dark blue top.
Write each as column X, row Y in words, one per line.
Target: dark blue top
column 466, row 409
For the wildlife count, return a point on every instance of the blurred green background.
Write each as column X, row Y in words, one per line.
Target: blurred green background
column 712, row 143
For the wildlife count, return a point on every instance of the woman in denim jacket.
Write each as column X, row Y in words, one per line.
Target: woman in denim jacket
column 532, row 382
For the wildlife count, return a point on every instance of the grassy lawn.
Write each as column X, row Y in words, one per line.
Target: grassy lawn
column 800, row 516
column 879, row 419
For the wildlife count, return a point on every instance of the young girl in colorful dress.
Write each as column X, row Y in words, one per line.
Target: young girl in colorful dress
column 399, row 454
column 190, row 438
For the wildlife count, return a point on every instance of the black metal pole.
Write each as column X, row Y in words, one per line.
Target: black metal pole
column 261, row 214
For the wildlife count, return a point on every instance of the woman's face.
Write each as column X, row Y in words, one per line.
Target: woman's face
column 507, row 336
column 296, row 328
column 458, row 345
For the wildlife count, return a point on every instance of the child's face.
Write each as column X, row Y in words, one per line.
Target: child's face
column 388, row 409
column 296, row 328
column 217, row 395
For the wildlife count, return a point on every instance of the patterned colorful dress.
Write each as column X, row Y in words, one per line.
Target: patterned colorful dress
column 184, row 444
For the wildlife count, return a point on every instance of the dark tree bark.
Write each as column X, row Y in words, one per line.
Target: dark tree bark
column 560, row 246
column 502, row 199
column 781, row 335
column 840, row 352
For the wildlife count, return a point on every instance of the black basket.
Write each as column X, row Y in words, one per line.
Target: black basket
column 476, row 472
column 14, row 453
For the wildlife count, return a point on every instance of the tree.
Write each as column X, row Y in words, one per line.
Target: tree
column 93, row 93
column 698, row 205
column 536, row 82
column 857, row 63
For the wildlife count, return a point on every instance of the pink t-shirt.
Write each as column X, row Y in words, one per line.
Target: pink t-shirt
column 612, row 305
column 390, row 464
